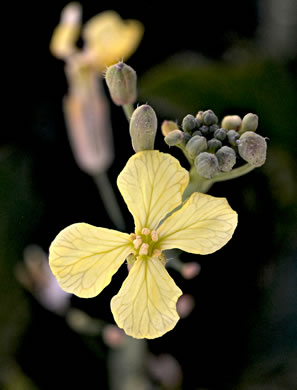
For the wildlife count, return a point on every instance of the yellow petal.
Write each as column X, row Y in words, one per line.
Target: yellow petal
column 112, row 39
column 203, row 225
column 84, row 258
column 152, row 184
column 66, row 34
column 145, row 306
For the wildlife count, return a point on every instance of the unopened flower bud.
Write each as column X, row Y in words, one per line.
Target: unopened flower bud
column 213, row 145
column 143, row 128
column 252, row 148
column 227, row 158
column 249, row 123
column 189, row 123
column 213, row 128
column 168, row 126
column 209, row 118
column 198, row 122
column 186, row 139
column 121, row 80
column 232, row 136
column 196, row 145
column 175, row 137
column 196, row 132
column 207, row 165
column 199, row 116
column 231, row 122
column 204, row 130
column 220, row 134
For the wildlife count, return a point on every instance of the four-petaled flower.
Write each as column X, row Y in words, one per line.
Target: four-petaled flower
column 84, row 257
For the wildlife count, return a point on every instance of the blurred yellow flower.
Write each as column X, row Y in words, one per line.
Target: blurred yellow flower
column 107, row 37
column 84, row 257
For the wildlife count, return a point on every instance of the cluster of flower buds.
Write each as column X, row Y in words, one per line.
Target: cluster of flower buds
column 215, row 148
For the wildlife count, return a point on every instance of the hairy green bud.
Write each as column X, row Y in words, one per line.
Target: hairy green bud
column 188, row 123
column 213, row 145
column 143, row 128
column 209, row 118
column 196, row 132
column 198, row 122
column 252, row 148
column 220, row 134
column 231, row 122
column 207, row 165
column 227, row 158
column 121, row 80
column 249, row 123
column 233, row 136
column 204, row 130
column 175, row 137
column 213, row 128
column 196, row 145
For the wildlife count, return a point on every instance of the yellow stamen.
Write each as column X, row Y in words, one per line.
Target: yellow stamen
column 144, row 249
column 137, row 242
column 132, row 236
column 157, row 253
column 145, row 231
column 154, row 235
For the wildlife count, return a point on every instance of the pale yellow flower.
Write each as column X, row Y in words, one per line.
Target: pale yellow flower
column 84, row 257
column 107, row 37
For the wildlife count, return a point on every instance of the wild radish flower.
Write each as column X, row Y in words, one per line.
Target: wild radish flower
column 84, row 257
column 106, row 39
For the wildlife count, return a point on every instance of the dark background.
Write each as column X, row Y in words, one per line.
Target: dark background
column 242, row 331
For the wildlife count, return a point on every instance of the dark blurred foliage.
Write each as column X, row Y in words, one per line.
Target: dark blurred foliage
column 242, row 332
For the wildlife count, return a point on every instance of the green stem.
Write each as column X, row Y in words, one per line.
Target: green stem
column 237, row 172
column 128, row 110
column 109, row 200
column 200, row 184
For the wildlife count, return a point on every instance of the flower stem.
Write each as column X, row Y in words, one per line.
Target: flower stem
column 128, row 110
column 237, row 172
column 200, row 184
column 109, row 200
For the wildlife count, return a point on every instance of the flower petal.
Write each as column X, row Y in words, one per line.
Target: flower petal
column 110, row 38
column 145, row 306
column 152, row 184
column 203, row 225
column 84, row 258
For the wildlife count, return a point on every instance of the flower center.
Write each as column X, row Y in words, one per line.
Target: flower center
column 146, row 243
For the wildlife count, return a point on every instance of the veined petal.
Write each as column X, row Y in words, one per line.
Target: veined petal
column 84, row 258
column 152, row 184
column 145, row 306
column 112, row 39
column 203, row 225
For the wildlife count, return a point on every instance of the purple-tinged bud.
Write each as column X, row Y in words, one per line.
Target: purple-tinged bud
column 121, row 80
column 209, row 118
column 207, row 165
column 175, row 137
column 227, row 158
column 252, row 148
column 213, row 145
column 196, row 145
column 188, row 123
column 220, row 134
column 143, row 128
